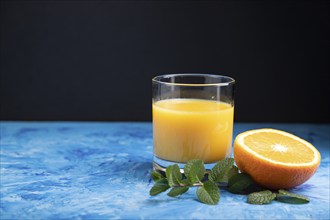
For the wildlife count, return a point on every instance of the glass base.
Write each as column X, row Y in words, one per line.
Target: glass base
column 160, row 165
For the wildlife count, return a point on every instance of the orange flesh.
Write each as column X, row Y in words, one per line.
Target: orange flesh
column 279, row 148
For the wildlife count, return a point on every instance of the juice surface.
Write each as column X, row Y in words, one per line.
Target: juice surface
column 186, row 129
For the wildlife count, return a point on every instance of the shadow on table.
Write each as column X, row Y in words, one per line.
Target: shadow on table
column 140, row 171
column 163, row 198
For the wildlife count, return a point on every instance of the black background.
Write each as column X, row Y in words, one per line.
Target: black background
column 94, row 60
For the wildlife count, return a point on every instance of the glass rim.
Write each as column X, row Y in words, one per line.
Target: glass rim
column 158, row 78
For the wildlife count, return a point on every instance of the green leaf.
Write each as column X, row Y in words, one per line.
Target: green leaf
column 176, row 191
column 209, row 193
column 261, row 198
column 168, row 172
column 186, row 182
column 238, row 183
column 292, row 198
column 156, row 176
column 219, row 172
column 173, row 175
column 176, row 174
column 194, row 170
column 159, row 187
column 233, row 171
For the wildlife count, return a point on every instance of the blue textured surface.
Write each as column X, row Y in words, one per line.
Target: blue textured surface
column 101, row 171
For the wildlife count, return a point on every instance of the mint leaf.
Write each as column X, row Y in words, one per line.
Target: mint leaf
column 186, row 182
column 176, row 174
column 173, row 175
column 292, row 198
column 219, row 172
column 159, row 187
column 176, row 191
column 233, row 171
column 155, row 176
column 168, row 172
column 261, row 198
column 209, row 193
column 194, row 170
column 238, row 183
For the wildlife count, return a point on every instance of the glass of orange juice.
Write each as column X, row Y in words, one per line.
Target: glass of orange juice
column 192, row 118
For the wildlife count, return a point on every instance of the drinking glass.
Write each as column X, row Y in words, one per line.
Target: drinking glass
column 192, row 118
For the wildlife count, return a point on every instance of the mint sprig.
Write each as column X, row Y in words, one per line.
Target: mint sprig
column 208, row 183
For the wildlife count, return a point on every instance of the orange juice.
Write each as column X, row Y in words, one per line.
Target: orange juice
column 186, row 129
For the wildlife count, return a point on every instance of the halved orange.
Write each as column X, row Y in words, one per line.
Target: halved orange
column 275, row 159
